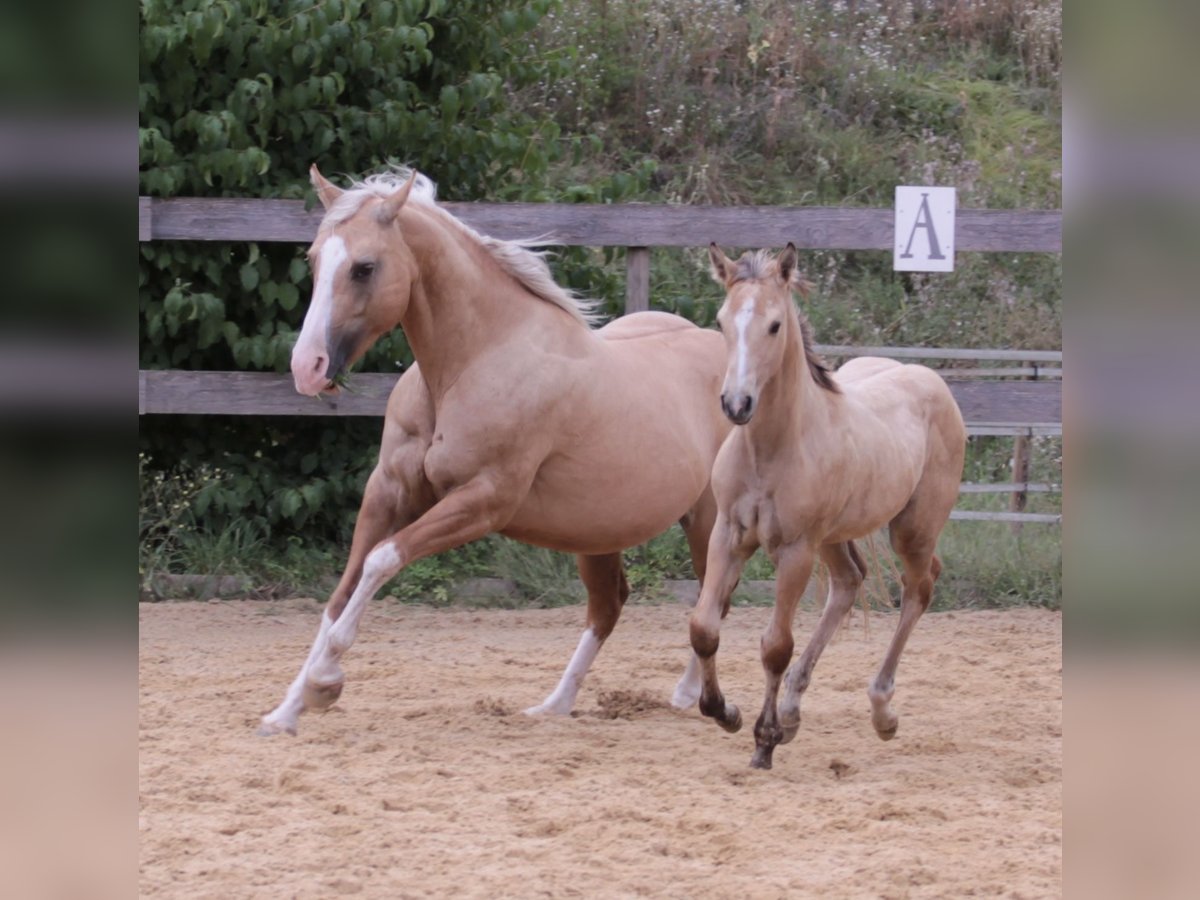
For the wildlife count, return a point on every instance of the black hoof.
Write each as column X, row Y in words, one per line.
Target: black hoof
column 731, row 722
column 762, row 757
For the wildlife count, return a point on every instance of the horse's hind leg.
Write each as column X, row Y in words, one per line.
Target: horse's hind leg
column 607, row 590
column 914, row 540
column 846, row 573
column 697, row 527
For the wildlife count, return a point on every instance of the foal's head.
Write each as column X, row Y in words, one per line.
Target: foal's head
column 756, row 319
column 362, row 277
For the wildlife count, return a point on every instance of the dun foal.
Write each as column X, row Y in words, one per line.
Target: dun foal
column 818, row 460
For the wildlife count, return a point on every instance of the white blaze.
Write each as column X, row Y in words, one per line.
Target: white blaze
column 311, row 345
column 741, row 322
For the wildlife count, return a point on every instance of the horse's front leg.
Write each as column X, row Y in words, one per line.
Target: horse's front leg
column 386, row 505
column 725, row 562
column 467, row 513
column 793, row 566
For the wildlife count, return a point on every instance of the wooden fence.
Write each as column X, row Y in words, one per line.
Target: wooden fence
column 1025, row 404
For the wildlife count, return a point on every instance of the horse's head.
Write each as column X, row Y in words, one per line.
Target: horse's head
column 756, row 319
column 362, row 278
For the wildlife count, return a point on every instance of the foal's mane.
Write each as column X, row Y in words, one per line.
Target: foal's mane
column 759, row 264
column 526, row 265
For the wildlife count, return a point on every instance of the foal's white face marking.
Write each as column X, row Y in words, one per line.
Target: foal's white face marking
column 309, row 356
column 741, row 322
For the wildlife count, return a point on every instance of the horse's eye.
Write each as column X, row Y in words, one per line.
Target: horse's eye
column 774, row 329
column 361, row 271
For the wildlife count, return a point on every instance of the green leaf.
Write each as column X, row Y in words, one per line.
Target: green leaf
column 249, row 277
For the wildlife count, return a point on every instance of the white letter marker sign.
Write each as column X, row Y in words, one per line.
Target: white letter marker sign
column 924, row 229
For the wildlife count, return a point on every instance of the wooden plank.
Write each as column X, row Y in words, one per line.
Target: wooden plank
column 233, row 219
column 623, row 224
column 1032, row 356
column 145, row 219
column 1002, row 372
column 637, row 279
column 966, row 515
column 269, row 394
column 1033, row 487
column 175, row 392
column 1008, row 402
column 1034, row 429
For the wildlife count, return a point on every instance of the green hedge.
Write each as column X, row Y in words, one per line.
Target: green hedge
column 239, row 98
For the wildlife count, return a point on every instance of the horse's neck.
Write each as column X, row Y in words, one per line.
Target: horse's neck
column 794, row 412
column 461, row 304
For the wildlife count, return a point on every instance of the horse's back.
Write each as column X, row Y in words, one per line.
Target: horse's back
column 643, row 324
column 890, row 388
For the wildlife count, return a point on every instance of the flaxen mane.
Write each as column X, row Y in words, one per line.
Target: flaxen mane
column 516, row 258
column 760, row 264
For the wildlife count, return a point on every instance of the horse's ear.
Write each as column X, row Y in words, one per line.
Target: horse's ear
column 790, row 274
column 390, row 208
column 327, row 191
column 787, row 263
column 722, row 269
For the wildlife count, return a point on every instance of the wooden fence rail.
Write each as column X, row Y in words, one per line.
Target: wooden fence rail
column 1019, row 408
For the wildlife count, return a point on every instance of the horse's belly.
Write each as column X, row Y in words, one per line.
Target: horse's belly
column 605, row 510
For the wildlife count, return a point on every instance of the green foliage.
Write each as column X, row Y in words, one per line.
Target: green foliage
column 240, row 97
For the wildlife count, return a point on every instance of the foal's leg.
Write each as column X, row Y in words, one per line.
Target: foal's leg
column 793, row 566
column 697, row 528
column 385, row 506
column 845, row 578
column 465, row 514
column 726, row 560
column 921, row 569
column 607, row 589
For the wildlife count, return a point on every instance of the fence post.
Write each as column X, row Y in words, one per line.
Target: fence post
column 1020, row 475
column 637, row 279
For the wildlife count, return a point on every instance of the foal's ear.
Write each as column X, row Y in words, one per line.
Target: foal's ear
column 722, row 268
column 390, row 208
column 790, row 274
column 327, row 191
column 787, row 263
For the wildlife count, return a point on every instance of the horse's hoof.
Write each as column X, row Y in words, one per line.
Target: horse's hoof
column 761, row 758
column 322, row 696
column 886, row 725
column 269, row 728
column 789, row 724
column 732, row 721
column 545, row 709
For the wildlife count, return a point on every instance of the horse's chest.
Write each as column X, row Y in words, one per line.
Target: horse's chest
column 755, row 519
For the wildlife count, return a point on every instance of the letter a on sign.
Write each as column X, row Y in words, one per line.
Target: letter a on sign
column 924, row 229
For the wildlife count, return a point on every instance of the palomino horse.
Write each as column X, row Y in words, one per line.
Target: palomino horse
column 819, row 459
column 519, row 419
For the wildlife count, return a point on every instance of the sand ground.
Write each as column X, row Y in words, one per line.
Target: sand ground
column 425, row 780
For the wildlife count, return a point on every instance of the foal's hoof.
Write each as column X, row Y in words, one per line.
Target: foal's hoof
column 762, row 757
column 322, row 696
column 732, row 720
